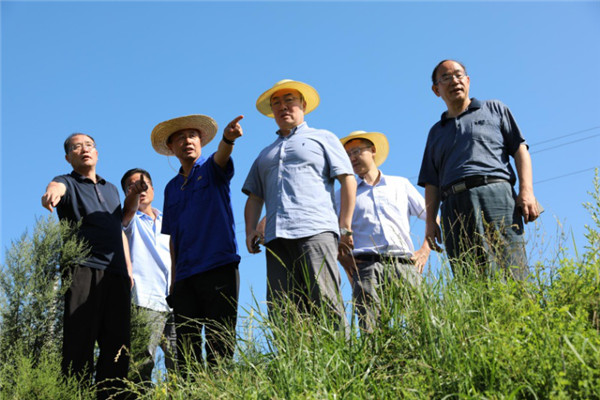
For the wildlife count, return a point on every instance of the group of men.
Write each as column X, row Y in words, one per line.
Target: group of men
column 187, row 258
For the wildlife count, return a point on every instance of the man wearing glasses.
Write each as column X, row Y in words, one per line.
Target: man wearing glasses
column 294, row 176
column 383, row 250
column 97, row 302
column 466, row 167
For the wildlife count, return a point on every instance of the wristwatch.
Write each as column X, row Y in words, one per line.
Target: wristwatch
column 345, row 232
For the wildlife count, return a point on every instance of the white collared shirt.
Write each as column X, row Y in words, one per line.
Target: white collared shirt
column 150, row 259
column 381, row 220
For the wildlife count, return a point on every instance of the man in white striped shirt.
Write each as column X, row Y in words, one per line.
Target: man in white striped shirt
column 383, row 249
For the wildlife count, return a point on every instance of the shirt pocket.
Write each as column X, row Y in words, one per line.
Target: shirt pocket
column 487, row 131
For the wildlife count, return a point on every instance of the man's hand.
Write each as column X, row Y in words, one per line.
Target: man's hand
column 349, row 265
column 233, row 130
column 139, row 186
column 252, row 242
column 345, row 245
column 433, row 235
column 54, row 192
column 528, row 206
column 420, row 258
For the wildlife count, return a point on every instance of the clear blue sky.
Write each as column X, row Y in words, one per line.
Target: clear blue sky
column 115, row 69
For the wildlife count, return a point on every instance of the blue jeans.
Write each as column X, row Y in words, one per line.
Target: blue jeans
column 483, row 230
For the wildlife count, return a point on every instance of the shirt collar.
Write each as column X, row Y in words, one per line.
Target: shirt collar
column 156, row 212
column 82, row 178
column 294, row 129
column 201, row 160
column 475, row 104
column 361, row 181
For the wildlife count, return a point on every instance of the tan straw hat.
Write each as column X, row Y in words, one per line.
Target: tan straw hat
column 263, row 104
column 382, row 147
column 161, row 132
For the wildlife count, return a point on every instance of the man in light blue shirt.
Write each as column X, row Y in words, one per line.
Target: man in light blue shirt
column 151, row 262
column 383, row 250
column 294, row 177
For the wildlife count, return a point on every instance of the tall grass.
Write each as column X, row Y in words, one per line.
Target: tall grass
column 473, row 338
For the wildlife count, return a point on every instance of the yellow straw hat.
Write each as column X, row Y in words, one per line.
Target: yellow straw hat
column 161, row 132
column 382, row 147
column 263, row 104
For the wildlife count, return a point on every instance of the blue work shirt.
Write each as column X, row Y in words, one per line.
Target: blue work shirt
column 295, row 177
column 98, row 207
column 198, row 216
column 150, row 260
column 477, row 142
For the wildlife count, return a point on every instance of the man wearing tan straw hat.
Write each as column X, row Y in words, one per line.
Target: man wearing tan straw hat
column 383, row 250
column 466, row 166
column 97, row 302
column 199, row 219
column 294, row 177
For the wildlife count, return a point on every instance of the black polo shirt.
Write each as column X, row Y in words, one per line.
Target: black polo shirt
column 98, row 207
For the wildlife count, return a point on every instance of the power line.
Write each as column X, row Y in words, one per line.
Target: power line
column 567, row 135
column 564, row 144
column 565, row 175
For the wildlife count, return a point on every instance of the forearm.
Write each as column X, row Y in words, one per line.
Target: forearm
column 347, row 200
column 252, row 213
column 432, row 204
column 524, row 169
column 223, row 154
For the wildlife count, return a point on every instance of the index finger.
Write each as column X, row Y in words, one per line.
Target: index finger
column 236, row 120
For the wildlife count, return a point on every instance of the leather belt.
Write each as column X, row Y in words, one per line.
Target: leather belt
column 372, row 257
column 469, row 182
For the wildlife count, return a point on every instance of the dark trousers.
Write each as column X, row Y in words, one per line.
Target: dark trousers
column 206, row 300
column 483, row 231
column 97, row 309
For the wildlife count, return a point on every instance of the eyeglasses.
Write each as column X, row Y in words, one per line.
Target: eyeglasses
column 357, row 151
column 80, row 146
column 287, row 100
column 448, row 78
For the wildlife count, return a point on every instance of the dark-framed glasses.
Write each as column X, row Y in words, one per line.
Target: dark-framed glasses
column 445, row 79
column 80, row 146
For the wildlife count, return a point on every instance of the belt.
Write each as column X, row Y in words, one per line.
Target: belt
column 373, row 257
column 468, row 183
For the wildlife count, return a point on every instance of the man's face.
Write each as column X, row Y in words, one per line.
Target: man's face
column 185, row 144
column 288, row 108
column 147, row 196
column 449, row 87
column 82, row 153
column 362, row 156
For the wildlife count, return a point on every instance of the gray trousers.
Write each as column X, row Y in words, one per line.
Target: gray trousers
column 483, row 231
column 305, row 270
column 157, row 329
column 372, row 280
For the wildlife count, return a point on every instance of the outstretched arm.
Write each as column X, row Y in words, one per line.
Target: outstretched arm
column 232, row 131
column 54, row 192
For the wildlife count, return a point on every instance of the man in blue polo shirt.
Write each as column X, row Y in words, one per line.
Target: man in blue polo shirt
column 466, row 166
column 151, row 264
column 204, row 254
column 97, row 302
column 294, row 177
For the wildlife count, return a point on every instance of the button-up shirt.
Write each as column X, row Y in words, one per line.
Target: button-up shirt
column 150, row 259
column 477, row 142
column 381, row 220
column 199, row 218
column 295, row 176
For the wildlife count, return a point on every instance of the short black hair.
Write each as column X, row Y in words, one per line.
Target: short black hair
column 434, row 74
column 131, row 172
column 67, row 143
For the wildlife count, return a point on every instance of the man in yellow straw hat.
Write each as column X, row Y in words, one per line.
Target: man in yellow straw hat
column 294, row 177
column 383, row 250
column 198, row 217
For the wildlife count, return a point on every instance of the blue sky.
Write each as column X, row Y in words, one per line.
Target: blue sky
column 116, row 69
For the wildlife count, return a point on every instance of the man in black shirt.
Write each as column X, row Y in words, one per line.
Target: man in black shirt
column 97, row 302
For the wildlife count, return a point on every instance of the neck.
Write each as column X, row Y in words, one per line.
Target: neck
column 285, row 131
column 187, row 166
column 147, row 209
column 89, row 173
column 372, row 176
column 457, row 108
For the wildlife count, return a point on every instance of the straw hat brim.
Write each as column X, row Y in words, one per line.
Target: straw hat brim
column 382, row 146
column 161, row 132
column 263, row 104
